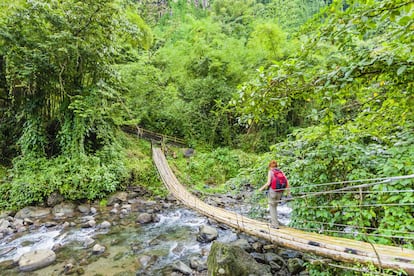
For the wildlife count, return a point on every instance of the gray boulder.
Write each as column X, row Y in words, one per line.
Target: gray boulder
column 144, row 218
column 64, row 209
column 182, row 267
column 243, row 244
column 225, row 259
column 36, row 259
column 207, row 234
column 32, row 212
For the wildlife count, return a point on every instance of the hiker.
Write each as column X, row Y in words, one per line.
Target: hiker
column 277, row 183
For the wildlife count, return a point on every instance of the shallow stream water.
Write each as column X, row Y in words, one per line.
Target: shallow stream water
column 131, row 249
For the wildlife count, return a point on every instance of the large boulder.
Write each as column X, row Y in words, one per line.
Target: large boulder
column 32, row 212
column 207, row 234
column 64, row 209
column 225, row 259
column 36, row 259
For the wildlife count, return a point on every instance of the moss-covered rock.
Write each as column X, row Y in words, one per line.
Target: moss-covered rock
column 225, row 259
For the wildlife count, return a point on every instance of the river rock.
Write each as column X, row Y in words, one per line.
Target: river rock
column 93, row 210
column 198, row 264
column 27, row 221
column 7, row 264
column 146, row 261
column 225, row 259
column 144, row 218
column 98, row 249
column 295, row 265
column 54, row 198
column 84, row 209
column 32, row 212
column 127, row 207
column 290, row 254
column 5, row 214
column 67, row 209
column 182, row 267
column 4, row 224
column 272, row 257
column 118, row 198
column 105, row 225
column 88, row 242
column 89, row 224
column 207, row 234
column 243, row 244
column 36, row 259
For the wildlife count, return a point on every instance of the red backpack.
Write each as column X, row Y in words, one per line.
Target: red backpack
column 279, row 180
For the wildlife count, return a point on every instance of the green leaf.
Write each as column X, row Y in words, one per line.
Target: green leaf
column 404, row 20
column 401, row 70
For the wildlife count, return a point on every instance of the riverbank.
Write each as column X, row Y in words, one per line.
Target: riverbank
column 131, row 235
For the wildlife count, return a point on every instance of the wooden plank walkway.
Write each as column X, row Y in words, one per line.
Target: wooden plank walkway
column 341, row 249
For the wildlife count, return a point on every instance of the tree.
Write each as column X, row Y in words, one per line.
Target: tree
column 57, row 60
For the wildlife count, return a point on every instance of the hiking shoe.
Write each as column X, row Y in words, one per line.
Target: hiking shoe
column 275, row 226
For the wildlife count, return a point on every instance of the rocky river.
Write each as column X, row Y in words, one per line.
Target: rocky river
column 131, row 235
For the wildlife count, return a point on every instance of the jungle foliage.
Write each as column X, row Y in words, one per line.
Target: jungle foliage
column 60, row 95
column 325, row 87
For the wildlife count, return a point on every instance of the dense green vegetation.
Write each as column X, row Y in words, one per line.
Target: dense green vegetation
column 324, row 87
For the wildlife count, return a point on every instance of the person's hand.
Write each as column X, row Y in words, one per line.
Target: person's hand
column 288, row 197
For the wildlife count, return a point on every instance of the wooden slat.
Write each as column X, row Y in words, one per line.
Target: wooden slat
column 341, row 249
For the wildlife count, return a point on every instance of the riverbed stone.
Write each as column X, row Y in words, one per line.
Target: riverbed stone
column 5, row 214
column 290, row 254
column 243, row 244
column 54, row 198
column 27, row 221
column 182, row 267
column 93, row 210
column 127, row 207
column 98, row 249
column 32, row 212
column 145, row 261
column 258, row 257
column 207, row 234
column 295, row 265
column 84, row 208
column 118, row 198
column 68, row 209
column 273, row 257
column 88, row 224
column 198, row 264
column 36, row 259
column 144, row 218
column 105, row 224
column 257, row 247
column 225, row 259
column 4, row 224
column 88, row 242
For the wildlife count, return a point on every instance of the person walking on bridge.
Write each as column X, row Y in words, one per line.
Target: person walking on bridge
column 277, row 184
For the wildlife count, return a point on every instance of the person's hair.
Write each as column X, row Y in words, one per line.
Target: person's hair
column 273, row 164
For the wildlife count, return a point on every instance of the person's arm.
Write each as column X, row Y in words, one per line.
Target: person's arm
column 267, row 184
column 287, row 188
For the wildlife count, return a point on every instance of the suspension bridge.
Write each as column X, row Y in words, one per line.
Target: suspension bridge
column 336, row 248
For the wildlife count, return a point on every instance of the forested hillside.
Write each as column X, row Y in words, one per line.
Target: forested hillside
column 326, row 87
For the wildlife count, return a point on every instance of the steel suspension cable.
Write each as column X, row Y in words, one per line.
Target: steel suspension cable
column 355, row 226
column 379, row 179
column 353, row 233
column 357, row 206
